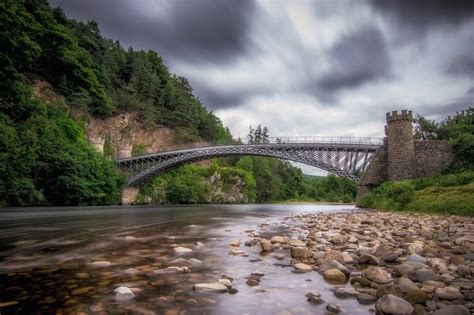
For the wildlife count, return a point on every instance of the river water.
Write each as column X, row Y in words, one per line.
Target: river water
column 46, row 257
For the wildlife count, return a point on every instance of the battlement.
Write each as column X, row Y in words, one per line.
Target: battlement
column 399, row 116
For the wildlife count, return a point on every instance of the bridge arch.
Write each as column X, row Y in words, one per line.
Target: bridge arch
column 347, row 160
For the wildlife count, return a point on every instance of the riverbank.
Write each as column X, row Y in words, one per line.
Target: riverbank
column 261, row 259
column 403, row 263
column 443, row 194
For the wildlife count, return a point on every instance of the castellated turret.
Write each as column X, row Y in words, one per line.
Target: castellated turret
column 401, row 145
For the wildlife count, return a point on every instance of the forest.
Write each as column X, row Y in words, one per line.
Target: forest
column 45, row 158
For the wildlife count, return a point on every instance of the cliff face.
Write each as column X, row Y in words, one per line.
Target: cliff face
column 126, row 132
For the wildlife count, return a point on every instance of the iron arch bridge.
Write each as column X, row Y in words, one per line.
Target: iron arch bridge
column 345, row 157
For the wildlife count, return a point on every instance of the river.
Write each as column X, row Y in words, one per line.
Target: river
column 46, row 257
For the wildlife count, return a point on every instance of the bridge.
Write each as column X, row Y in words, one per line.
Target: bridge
column 343, row 156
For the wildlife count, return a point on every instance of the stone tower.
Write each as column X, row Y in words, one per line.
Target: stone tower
column 401, row 145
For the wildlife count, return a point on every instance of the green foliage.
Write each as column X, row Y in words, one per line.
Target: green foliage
column 46, row 160
column 459, row 130
column 332, row 188
column 446, row 194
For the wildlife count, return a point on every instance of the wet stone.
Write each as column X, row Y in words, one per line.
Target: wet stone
column 334, row 308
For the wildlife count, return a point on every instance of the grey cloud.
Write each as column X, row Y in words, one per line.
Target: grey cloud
column 358, row 58
column 210, row 31
column 415, row 19
column 462, row 65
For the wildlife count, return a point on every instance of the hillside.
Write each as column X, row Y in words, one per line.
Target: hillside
column 70, row 99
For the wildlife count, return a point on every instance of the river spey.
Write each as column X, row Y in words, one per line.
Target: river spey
column 71, row 260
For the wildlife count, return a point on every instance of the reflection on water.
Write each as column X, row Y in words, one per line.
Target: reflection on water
column 47, row 256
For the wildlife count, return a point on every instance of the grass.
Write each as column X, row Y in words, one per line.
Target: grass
column 443, row 194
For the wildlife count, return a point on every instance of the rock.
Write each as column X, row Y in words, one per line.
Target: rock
column 266, row 245
column 279, row 256
column 347, row 258
column 338, row 239
column 456, row 260
column 130, row 238
column 101, row 263
column 376, row 275
column 334, row 275
column 388, row 288
column 345, row 292
column 452, row 310
column 182, row 250
column 416, row 258
column 301, row 252
column 278, row 239
column 365, row 298
column 194, row 262
column 253, row 282
column 436, row 284
column 237, row 252
column 417, row 296
column 296, row 243
column 391, row 304
column 422, row 275
column 131, row 271
column 333, row 264
column 406, row 285
column 403, row 269
column 332, row 254
column 314, row 297
column 123, row 294
column 199, row 244
column 388, row 254
column 448, row 293
column 210, row 287
column 463, row 271
column 82, row 290
column 235, row 243
column 225, row 282
column 171, row 270
column 362, row 281
column 369, row 259
column 334, row 308
column 303, row 267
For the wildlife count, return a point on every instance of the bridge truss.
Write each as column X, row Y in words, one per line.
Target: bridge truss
column 345, row 158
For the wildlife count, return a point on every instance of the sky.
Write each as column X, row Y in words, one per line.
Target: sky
column 303, row 68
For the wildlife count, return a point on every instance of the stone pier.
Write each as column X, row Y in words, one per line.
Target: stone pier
column 129, row 195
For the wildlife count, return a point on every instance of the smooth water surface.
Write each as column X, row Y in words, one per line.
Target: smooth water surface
column 46, row 256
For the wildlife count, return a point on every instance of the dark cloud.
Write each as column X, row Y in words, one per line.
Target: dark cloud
column 463, row 64
column 415, row 19
column 181, row 30
column 358, row 58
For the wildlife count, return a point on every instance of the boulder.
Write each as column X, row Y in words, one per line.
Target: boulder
column 369, row 259
column 334, row 275
column 376, row 274
column 391, row 304
column 345, row 292
column 406, row 285
column 333, row 264
column 296, row 243
column 266, row 245
column 422, row 275
column 210, row 287
column 448, row 293
column 365, row 298
column 278, row 239
column 303, row 267
column 123, row 294
column 416, row 258
column 452, row 310
column 347, row 258
column 331, row 254
column 301, row 252
column 314, row 297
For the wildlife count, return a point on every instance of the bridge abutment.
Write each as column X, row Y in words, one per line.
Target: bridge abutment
column 129, row 195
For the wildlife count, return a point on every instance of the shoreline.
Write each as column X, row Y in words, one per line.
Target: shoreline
column 419, row 264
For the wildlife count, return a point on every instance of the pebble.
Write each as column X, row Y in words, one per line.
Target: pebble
column 182, row 250
column 334, row 275
column 123, row 294
column 303, row 267
column 101, row 263
column 391, row 304
column 314, row 297
column 334, row 308
column 210, row 287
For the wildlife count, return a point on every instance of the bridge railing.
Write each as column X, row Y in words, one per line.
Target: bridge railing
column 282, row 140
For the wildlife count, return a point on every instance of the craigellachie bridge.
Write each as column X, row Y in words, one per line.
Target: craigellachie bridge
column 365, row 161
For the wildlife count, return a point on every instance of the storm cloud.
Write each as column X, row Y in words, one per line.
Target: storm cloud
column 358, row 58
column 304, row 67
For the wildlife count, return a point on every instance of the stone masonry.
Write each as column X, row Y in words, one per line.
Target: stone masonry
column 402, row 157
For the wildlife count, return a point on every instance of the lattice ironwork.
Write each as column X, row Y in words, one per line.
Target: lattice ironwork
column 348, row 160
